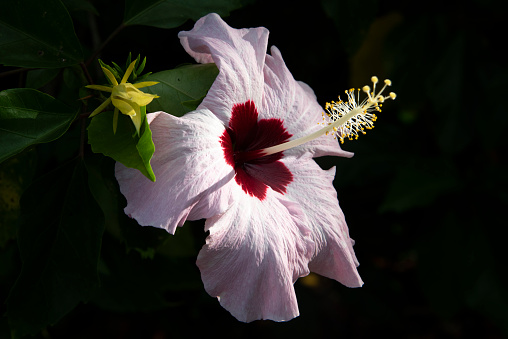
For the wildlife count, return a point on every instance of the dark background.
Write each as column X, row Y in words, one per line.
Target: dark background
column 424, row 195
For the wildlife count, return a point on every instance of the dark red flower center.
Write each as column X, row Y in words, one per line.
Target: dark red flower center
column 243, row 142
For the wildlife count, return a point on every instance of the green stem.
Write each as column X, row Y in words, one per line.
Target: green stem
column 14, row 71
column 86, row 73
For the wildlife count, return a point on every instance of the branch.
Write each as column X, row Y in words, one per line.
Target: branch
column 101, row 47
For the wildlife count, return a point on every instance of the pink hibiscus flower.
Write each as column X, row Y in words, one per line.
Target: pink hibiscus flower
column 272, row 218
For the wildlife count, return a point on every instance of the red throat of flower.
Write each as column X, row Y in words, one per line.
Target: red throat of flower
column 243, row 142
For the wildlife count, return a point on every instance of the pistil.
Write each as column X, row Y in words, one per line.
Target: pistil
column 347, row 118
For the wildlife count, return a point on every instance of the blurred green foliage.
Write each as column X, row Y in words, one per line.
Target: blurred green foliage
column 424, row 194
column 38, row 34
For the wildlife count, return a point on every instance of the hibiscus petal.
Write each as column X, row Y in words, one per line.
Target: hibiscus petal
column 274, row 174
column 192, row 175
column 334, row 257
column 255, row 252
column 238, row 53
column 295, row 103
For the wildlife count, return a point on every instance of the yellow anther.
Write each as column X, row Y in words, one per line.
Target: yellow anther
column 393, row 95
column 345, row 119
column 354, row 116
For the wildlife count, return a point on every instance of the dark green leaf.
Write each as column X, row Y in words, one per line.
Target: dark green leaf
column 118, row 68
column 129, row 60
column 131, row 283
column 29, row 117
column 173, row 13
column 59, row 242
column 143, row 77
column 192, row 104
column 124, row 146
column 38, row 34
column 104, row 188
column 73, row 82
column 141, row 66
column 182, row 244
column 39, row 77
column 183, row 84
column 112, row 70
column 79, row 5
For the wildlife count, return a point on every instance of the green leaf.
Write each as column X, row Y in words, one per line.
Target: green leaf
column 112, row 70
column 126, row 284
column 129, row 60
column 39, row 77
column 104, row 188
column 38, row 34
column 131, row 283
column 80, row 5
column 29, row 117
column 180, row 86
column 173, row 13
column 141, row 66
column 192, row 104
column 125, row 146
column 73, row 82
column 118, row 68
column 59, row 242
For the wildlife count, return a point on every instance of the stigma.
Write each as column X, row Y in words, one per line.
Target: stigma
column 345, row 119
column 361, row 115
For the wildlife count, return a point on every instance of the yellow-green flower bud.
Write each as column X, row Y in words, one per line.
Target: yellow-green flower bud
column 126, row 97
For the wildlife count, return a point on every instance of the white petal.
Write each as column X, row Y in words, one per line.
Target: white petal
column 255, row 252
column 295, row 103
column 313, row 190
column 238, row 53
column 192, row 177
